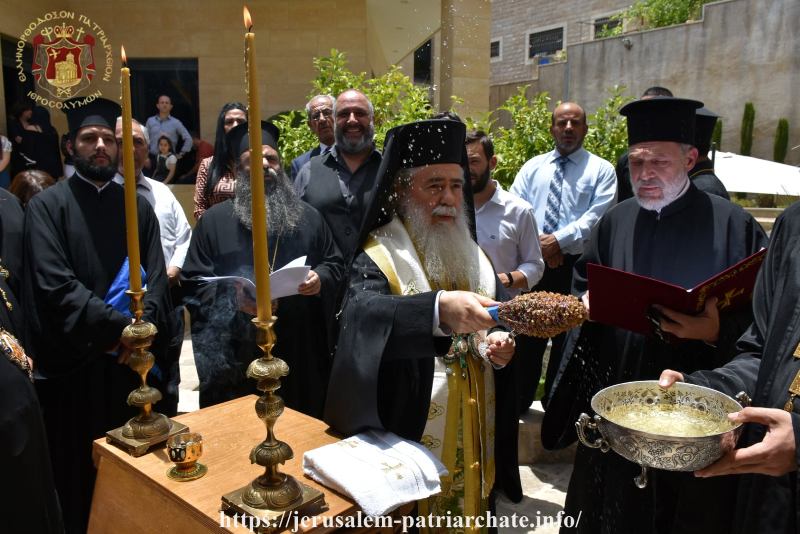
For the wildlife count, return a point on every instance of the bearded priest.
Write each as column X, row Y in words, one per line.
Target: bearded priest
column 418, row 354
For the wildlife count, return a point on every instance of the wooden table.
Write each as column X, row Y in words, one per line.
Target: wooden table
column 134, row 495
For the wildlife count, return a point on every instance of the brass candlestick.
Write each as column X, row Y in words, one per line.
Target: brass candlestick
column 274, row 494
column 149, row 428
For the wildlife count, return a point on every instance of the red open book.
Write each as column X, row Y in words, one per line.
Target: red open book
column 623, row 299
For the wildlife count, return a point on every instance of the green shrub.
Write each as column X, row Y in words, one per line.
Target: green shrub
column 656, row 14
column 716, row 135
column 529, row 135
column 395, row 97
column 748, row 120
column 397, row 101
column 608, row 130
column 781, row 141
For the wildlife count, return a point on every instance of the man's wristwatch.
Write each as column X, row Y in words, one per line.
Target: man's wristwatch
column 510, row 281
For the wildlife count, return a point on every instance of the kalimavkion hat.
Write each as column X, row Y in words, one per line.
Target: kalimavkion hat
column 416, row 144
column 99, row 112
column 661, row 119
column 239, row 140
column 705, row 120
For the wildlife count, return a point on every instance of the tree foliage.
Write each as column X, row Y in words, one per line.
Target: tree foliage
column 748, row 120
column 395, row 97
column 608, row 130
column 528, row 136
column 655, row 14
column 781, row 141
column 397, row 101
column 716, row 136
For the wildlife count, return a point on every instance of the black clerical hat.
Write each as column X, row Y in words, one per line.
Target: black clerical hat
column 99, row 112
column 417, row 144
column 661, row 119
column 705, row 120
column 239, row 140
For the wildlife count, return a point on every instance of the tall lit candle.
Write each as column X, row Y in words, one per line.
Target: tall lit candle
column 260, row 258
column 131, row 216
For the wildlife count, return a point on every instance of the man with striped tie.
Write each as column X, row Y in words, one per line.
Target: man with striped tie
column 569, row 189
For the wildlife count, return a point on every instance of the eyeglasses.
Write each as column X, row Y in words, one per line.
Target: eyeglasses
column 320, row 114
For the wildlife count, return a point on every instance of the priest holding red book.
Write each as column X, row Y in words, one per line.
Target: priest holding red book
column 673, row 232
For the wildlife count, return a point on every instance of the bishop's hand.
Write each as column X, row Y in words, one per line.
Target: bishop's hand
column 465, row 312
column 500, row 348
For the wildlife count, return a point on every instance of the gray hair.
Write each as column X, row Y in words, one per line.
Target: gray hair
column 308, row 104
column 145, row 133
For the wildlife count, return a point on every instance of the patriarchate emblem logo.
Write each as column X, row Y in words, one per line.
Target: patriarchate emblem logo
column 63, row 66
column 70, row 51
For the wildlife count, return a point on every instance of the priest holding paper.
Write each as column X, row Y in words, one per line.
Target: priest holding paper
column 222, row 334
column 676, row 233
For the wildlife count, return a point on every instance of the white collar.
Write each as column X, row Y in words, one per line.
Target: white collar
column 141, row 181
column 98, row 187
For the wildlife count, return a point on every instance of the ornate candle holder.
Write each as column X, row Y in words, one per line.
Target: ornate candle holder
column 272, row 495
column 148, row 429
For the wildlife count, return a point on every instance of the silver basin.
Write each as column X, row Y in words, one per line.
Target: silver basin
column 668, row 452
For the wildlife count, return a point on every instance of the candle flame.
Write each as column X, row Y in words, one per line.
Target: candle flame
column 124, row 57
column 248, row 21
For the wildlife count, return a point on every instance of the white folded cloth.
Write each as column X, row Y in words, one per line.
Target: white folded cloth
column 378, row 469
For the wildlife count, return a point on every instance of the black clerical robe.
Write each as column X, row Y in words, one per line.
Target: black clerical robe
column 382, row 374
column 690, row 240
column 75, row 246
column 764, row 369
column 705, row 179
column 30, row 502
column 223, row 337
column 11, row 221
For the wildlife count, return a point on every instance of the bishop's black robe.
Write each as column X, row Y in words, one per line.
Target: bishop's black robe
column 692, row 239
column 75, row 245
column 224, row 337
column 764, row 369
column 382, row 373
column 30, row 502
column 11, row 220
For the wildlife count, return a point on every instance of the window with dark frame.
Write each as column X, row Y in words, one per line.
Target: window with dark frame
column 604, row 24
column 546, row 42
column 494, row 48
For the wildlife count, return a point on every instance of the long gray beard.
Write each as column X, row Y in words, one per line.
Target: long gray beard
column 447, row 251
column 284, row 209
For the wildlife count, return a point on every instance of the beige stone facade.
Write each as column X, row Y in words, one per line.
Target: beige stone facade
column 289, row 34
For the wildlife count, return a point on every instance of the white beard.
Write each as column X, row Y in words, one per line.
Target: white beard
column 669, row 193
column 448, row 253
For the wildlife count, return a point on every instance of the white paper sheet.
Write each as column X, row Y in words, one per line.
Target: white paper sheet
column 283, row 282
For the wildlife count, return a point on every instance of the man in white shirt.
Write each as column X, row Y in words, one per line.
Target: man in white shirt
column 175, row 234
column 506, row 228
column 507, row 233
column 569, row 189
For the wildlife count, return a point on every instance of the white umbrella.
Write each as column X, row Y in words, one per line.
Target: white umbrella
column 743, row 174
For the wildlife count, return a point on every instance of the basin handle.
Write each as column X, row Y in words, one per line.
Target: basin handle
column 744, row 399
column 584, row 423
column 641, row 480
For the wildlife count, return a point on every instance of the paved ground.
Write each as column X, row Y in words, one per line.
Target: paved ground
column 543, row 485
